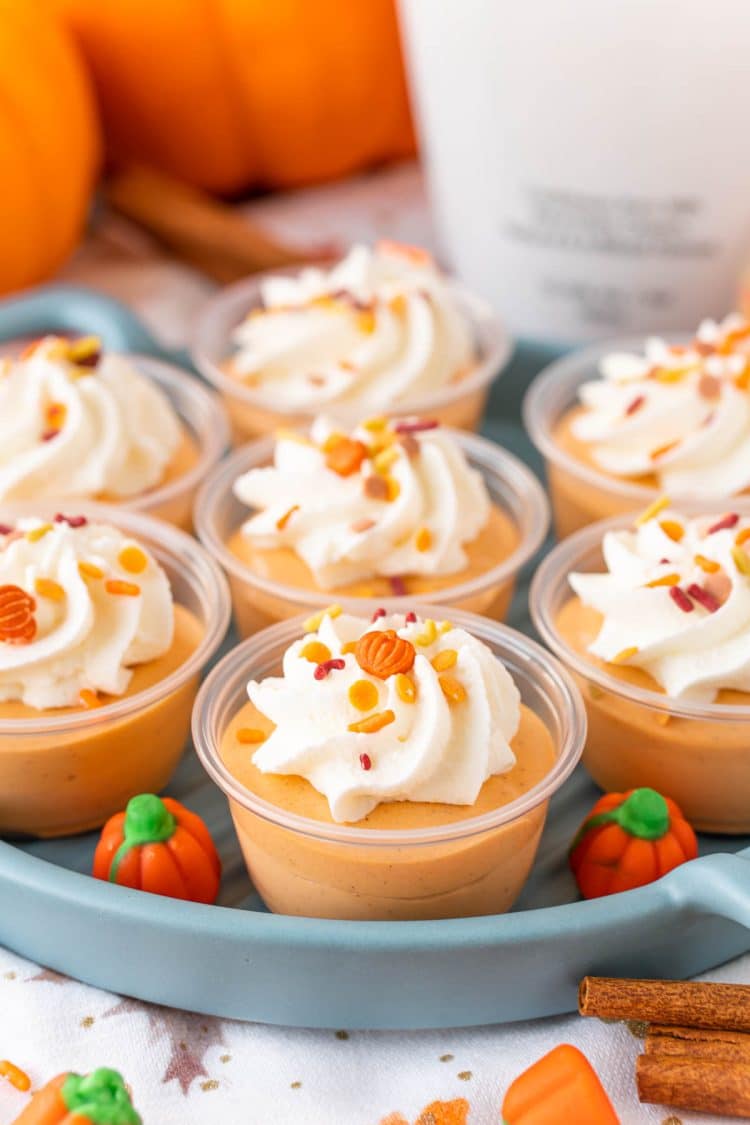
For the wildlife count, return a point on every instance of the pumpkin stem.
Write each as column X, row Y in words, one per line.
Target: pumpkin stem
column 147, row 821
column 100, row 1097
column 644, row 814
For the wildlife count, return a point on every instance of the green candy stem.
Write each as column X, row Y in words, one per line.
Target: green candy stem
column 643, row 814
column 147, row 821
column 101, row 1097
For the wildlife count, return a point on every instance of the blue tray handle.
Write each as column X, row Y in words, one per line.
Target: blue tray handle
column 719, row 885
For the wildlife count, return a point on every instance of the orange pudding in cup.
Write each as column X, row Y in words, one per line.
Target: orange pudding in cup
column 623, row 422
column 653, row 619
column 383, row 330
column 407, row 767
column 106, row 620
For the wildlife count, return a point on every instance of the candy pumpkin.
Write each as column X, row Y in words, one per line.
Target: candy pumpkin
column 49, row 144
column 158, row 845
column 560, row 1087
column 232, row 93
column 628, row 840
column 99, row 1098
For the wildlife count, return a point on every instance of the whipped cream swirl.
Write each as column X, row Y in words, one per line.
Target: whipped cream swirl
column 405, row 503
column 87, row 428
column 681, row 414
column 95, row 603
column 676, row 602
column 445, row 732
column 381, row 327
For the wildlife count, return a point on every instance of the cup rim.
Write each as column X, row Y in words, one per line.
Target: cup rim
column 212, row 435
column 481, row 453
column 553, row 573
column 245, row 293
column 568, row 373
column 537, row 665
column 201, row 572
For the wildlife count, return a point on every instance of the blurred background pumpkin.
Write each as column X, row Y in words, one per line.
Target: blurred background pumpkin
column 49, row 144
column 228, row 95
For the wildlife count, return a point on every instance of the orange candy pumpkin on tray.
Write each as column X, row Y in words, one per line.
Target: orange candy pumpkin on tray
column 99, row 1098
column 628, row 840
column 561, row 1088
column 158, row 845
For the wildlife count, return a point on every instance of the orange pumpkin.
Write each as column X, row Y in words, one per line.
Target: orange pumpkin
column 384, row 653
column 233, row 93
column 560, row 1087
column 99, row 1098
column 628, row 840
column 158, row 845
column 49, row 144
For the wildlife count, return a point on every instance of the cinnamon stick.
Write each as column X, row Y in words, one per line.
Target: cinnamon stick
column 703, row 1085
column 677, row 1003
column 726, row 1046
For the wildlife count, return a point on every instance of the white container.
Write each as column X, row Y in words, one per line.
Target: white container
column 586, row 159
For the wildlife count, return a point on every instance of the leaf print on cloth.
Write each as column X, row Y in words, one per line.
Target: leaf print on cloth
column 436, row 1113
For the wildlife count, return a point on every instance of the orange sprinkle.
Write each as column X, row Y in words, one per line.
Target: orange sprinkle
column 126, row 589
column 445, row 660
column 742, row 536
column 316, row 652
column 350, row 646
column 372, row 723
column 666, row 580
column 652, row 510
column 17, row 1077
column 89, row 699
column 398, row 304
column 55, row 415
column 366, row 320
column 733, row 338
column 90, row 570
column 663, row 450
column 742, row 381
column 624, row 655
column 48, row 588
column 133, row 559
column 38, row 533
column 453, row 691
column 363, row 695
column 423, row 540
column 708, row 565
column 406, row 689
column 247, row 735
column 282, row 521
column 673, row 529
column 393, row 488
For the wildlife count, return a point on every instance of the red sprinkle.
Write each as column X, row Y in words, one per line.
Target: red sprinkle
column 636, row 404
column 5, row 529
column 730, row 520
column 378, row 613
column 662, row 561
column 327, row 666
column 416, row 427
column 398, row 586
column 365, row 761
column 680, row 599
column 48, row 435
column 71, row 521
column 703, row 597
column 411, row 617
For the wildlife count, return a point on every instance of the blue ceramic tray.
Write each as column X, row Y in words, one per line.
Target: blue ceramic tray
column 238, row 960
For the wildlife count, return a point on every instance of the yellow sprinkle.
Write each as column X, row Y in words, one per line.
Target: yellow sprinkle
column 48, row 588
column 666, row 580
column 445, row 627
column 673, row 529
column 742, row 536
column 363, row 695
column 366, row 321
column 37, row 533
column 709, row 565
column 316, row 652
column 120, row 588
column 671, row 374
column 374, row 425
column 394, row 488
column 386, row 458
column 652, row 510
column 83, row 348
column 406, row 689
column 741, row 560
column 133, row 559
column 398, row 304
column 624, row 655
column 350, row 646
column 445, row 660
column 423, row 540
column 453, row 691
column 428, row 635
column 89, row 570
column 247, row 735
column 372, row 723
column 313, row 623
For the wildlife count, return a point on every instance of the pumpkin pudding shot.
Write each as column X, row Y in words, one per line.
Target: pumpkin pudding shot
column 388, row 768
column 382, row 330
column 106, row 619
column 620, row 424
column 396, row 510
column 78, row 422
column 653, row 618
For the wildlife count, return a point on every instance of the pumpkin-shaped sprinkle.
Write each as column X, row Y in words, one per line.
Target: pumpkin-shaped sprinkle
column 17, row 621
column 384, row 654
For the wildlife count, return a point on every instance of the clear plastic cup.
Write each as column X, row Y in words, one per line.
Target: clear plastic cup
column 306, row 867
column 259, row 601
column 579, row 493
column 697, row 754
column 67, row 771
column 254, row 414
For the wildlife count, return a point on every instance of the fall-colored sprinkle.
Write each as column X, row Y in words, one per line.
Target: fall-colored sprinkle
column 37, row 533
column 398, row 304
column 652, row 511
column 445, row 660
column 366, row 321
column 398, row 585
column 730, row 520
column 710, row 566
column 742, row 381
column 411, row 617
column 732, row 338
column 350, row 646
column 360, row 526
column 377, row 615
column 383, row 460
column 55, row 415
column 345, row 456
column 635, row 405
column 423, row 539
column 326, row 666
column 17, row 621
column 428, row 635
column 373, row 723
column 121, row 588
column 393, row 489
column 375, row 487
column 703, row 597
column 680, row 599
column 670, row 374
column 665, row 580
column 663, row 450
column 363, row 695
column 673, row 529
column 741, row 560
column 375, row 425
column 742, row 536
column 416, row 425
column 71, row 521
column 445, row 627
column 624, row 655
column 88, row 699
column 48, row 588
column 17, row 1077
column 133, row 559
column 89, row 570
column 316, row 652
column 406, row 689
column 86, row 351
column 282, row 521
column 453, row 691
column 709, row 386
column 312, row 624
column 365, row 761
column 250, row 735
